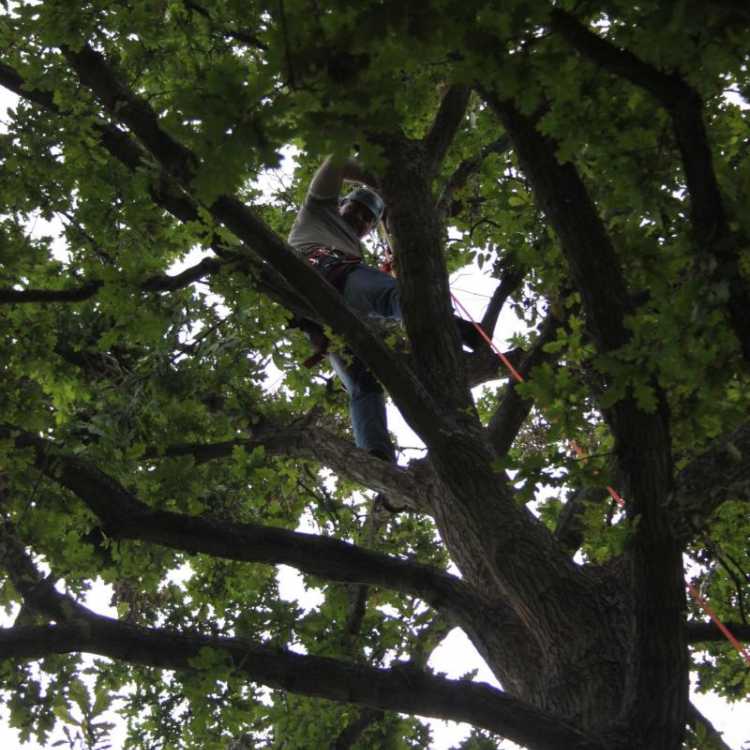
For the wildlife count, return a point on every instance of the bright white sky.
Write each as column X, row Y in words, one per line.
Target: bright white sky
column 455, row 656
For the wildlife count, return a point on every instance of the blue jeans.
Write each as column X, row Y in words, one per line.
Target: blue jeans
column 370, row 293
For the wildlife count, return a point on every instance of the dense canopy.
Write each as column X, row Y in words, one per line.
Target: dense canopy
column 159, row 436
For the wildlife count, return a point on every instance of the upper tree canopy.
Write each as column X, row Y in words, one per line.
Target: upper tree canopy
column 588, row 156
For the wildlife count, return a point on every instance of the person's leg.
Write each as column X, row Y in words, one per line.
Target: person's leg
column 373, row 292
column 366, row 407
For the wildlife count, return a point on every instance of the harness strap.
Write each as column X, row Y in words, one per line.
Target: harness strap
column 332, row 264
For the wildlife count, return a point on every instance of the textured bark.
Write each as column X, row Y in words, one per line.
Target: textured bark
column 125, row 517
column 423, row 278
column 655, row 694
column 447, row 121
column 495, row 544
column 411, row 488
column 398, row 688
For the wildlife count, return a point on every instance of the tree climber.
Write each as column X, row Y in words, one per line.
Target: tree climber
column 328, row 231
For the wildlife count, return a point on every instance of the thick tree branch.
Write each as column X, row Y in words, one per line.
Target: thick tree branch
column 667, row 88
column 125, row 517
column 157, row 283
column 491, row 625
column 423, row 277
column 483, row 535
column 715, row 242
column 704, row 632
column 485, row 365
column 414, row 488
column 95, row 74
column 404, row 689
column 10, row 296
column 642, row 441
column 510, row 281
column 562, row 195
column 38, row 592
column 446, row 123
column 170, row 197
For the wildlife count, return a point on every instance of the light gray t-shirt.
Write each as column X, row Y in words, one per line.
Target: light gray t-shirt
column 318, row 223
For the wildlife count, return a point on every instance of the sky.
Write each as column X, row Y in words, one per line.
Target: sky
column 455, row 656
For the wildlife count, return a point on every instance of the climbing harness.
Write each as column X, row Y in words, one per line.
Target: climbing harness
column 692, row 590
column 332, row 264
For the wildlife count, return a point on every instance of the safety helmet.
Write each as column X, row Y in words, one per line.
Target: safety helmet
column 368, row 198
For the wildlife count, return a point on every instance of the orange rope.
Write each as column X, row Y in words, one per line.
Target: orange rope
column 694, row 593
column 494, row 348
column 704, row 605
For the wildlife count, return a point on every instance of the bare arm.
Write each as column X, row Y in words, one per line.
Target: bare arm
column 333, row 172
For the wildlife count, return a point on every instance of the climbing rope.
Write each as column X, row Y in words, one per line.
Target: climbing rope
column 692, row 590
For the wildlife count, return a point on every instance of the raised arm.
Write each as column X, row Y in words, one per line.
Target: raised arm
column 333, row 172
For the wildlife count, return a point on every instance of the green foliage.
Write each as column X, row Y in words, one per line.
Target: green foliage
column 123, row 377
column 478, row 740
column 725, row 561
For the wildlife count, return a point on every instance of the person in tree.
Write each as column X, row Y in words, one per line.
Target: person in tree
column 328, row 232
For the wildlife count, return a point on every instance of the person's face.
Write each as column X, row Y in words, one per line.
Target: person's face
column 358, row 217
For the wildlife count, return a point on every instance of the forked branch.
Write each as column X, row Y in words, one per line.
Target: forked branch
column 402, row 689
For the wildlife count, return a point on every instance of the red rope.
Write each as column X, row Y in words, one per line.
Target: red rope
column 694, row 593
column 494, row 348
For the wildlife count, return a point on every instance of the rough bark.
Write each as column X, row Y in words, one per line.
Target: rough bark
column 398, row 688
column 656, row 688
column 393, row 690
